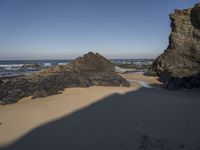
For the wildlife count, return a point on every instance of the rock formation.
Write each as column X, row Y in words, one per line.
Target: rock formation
column 89, row 70
column 30, row 65
column 179, row 65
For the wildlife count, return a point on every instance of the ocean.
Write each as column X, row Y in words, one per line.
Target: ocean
column 22, row 67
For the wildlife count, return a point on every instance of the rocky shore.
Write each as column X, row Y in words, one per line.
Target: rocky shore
column 179, row 65
column 90, row 70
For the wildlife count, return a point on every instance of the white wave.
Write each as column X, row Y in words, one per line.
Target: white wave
column 62, row 63
column 123, row 70
column 11, row 66
column 47, row 64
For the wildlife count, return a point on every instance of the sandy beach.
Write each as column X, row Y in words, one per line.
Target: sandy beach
column 104, row 118
column 99, row 75
column 18, row 119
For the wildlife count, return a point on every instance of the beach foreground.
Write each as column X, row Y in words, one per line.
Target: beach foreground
column 104, row 118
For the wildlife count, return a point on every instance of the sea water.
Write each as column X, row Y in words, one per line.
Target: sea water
column 18, row 67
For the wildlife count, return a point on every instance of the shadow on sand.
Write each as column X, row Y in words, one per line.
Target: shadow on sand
column 146, row 119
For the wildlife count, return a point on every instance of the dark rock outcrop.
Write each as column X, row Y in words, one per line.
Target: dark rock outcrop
column 30, row 65
column 89, row 70
column 179, row 65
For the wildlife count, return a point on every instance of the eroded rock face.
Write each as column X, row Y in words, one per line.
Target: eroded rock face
column 179, row 65
column 89, row 70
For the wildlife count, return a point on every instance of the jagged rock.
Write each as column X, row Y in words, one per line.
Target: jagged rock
column 179, row 65
column 89, row 70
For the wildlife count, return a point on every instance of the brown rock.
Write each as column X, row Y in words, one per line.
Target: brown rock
column 179, row 65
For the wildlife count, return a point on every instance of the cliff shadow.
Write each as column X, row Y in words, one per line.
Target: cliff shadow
column 147, row 119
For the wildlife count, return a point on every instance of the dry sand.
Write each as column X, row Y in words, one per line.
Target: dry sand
column 104, row 118
column 18, row 119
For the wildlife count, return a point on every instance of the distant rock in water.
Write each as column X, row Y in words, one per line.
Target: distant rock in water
column 89, row 70
column 30, row 65
column 179, row 66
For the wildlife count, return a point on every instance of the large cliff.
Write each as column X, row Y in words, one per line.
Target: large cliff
column 90, row 70
column 179, row 65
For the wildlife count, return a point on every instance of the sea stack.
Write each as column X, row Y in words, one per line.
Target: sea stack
column 179, row 65
column 90, row 70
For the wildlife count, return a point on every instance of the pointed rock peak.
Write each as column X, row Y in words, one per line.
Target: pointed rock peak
column 93, row 61
column 92, row 69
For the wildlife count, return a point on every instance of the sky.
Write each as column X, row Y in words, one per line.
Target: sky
column 65, row 29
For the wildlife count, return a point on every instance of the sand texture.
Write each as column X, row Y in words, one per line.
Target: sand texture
column 104, row 118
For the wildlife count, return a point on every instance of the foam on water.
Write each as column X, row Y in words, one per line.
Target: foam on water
column 123, row 70
column 62, row 63
column 11, row 67
column 16, row 68
column 47, row 64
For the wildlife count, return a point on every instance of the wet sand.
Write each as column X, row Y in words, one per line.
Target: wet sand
column 141, row 77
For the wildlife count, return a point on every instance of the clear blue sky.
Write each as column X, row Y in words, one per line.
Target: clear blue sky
column 63, row 29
